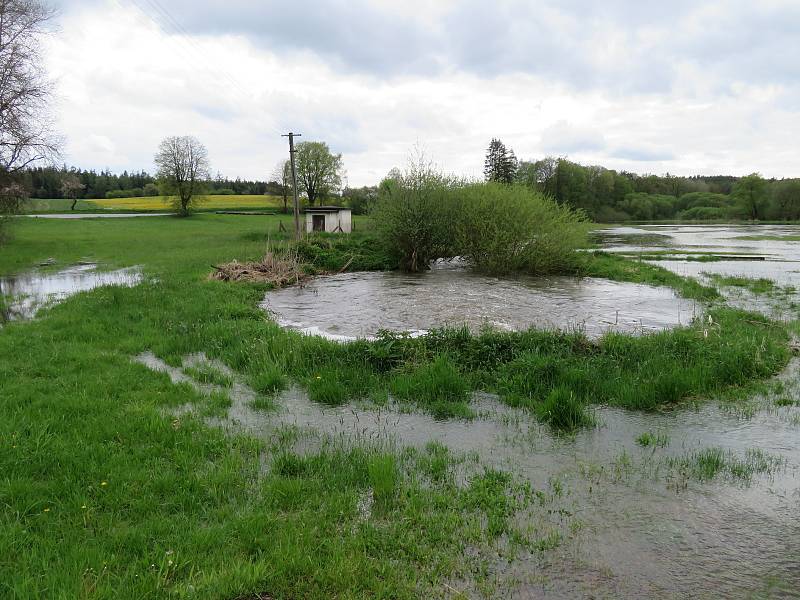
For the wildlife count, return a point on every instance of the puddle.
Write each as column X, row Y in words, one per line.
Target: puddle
column 353, row 305
column 644, row 529
column 25, row 294
column 95, row 215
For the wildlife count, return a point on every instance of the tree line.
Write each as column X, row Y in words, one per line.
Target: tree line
column 606, row 195
column 48, row 182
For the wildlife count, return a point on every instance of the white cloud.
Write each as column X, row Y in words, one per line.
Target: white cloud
column 656, row 88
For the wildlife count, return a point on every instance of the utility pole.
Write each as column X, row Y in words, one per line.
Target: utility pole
column 291, row 137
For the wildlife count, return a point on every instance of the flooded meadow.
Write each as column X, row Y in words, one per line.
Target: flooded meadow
column 697, row 501
column 25, row 294
column 700, row 499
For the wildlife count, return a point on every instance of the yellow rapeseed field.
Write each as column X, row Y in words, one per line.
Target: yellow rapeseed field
column 207, row 202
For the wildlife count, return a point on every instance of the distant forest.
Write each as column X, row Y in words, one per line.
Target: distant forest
column 48, row 182
column 605, row 195
column 610, row 196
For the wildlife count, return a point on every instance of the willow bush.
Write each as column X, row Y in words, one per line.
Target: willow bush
column 422, row 216
column 510, row 228
column 415, row 215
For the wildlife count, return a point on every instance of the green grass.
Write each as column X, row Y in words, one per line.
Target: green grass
column 104, row 494
column 209, row 375
column 755, row 286
column 710, row 463
column 619, row 268
column 564, row 411
column 784, row 402
column 269, row 380
column 36, row 205
column 437, row 387
column 653, row 440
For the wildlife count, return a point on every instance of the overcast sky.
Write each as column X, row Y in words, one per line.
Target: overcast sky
column 682, row 86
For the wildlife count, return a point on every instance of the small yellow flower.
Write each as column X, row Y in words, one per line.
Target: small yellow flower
column 46, row 510
column 104, row 484
column 83, row 507
column 319, row 377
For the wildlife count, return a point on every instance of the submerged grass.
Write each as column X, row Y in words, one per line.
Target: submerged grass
column 755, row 286
column 709, row 463
column 650, row 439
column 611, row 266
column 208, row 374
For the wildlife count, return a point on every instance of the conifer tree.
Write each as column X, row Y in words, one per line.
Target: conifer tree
column 501, row 163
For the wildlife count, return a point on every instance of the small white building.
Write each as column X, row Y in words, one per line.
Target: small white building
column 333, row 219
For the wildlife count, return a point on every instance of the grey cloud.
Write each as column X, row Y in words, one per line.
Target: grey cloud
column 642, row 44
column 640, row 154
column 564, row 138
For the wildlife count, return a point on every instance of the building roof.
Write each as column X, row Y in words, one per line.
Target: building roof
column 326, row 209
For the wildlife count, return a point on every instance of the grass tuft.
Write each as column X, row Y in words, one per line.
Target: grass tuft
column 208, row 375
column 437, row 387
column 653, row 440
column 383, row 478
column 563, row 411
column 707, row 464
column 756, row 286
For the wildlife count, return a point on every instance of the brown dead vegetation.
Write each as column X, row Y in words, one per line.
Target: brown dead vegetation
column 277, row 269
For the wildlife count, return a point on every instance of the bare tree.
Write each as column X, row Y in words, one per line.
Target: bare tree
column 182, row 170
column 26, row 134
column 71, row 186
column 283, row 175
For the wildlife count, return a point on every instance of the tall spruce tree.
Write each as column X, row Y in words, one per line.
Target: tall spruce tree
column 501, row 163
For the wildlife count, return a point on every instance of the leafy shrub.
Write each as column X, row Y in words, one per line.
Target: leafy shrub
column 705, row 213
column 422, row 215
column 414, row 217
column 505, row 229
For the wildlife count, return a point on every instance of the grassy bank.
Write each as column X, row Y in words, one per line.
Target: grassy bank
column 106, row 494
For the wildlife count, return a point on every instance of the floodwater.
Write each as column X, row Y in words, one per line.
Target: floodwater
column 633, row 525
column 95, row 215
column 353, row 305
column 25, row 294
column 778, row 260
column 634, row 522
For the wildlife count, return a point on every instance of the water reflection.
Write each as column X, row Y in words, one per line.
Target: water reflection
column 779, row 260
column 23, row 295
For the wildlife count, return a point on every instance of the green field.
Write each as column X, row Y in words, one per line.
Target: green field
column 107, row 494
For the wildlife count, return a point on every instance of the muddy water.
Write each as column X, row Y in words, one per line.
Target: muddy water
column 360, row 304
column 778, row 260
column 23, row 295
column 634, row 525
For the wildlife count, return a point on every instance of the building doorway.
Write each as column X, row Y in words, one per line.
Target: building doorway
column 318, row 222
